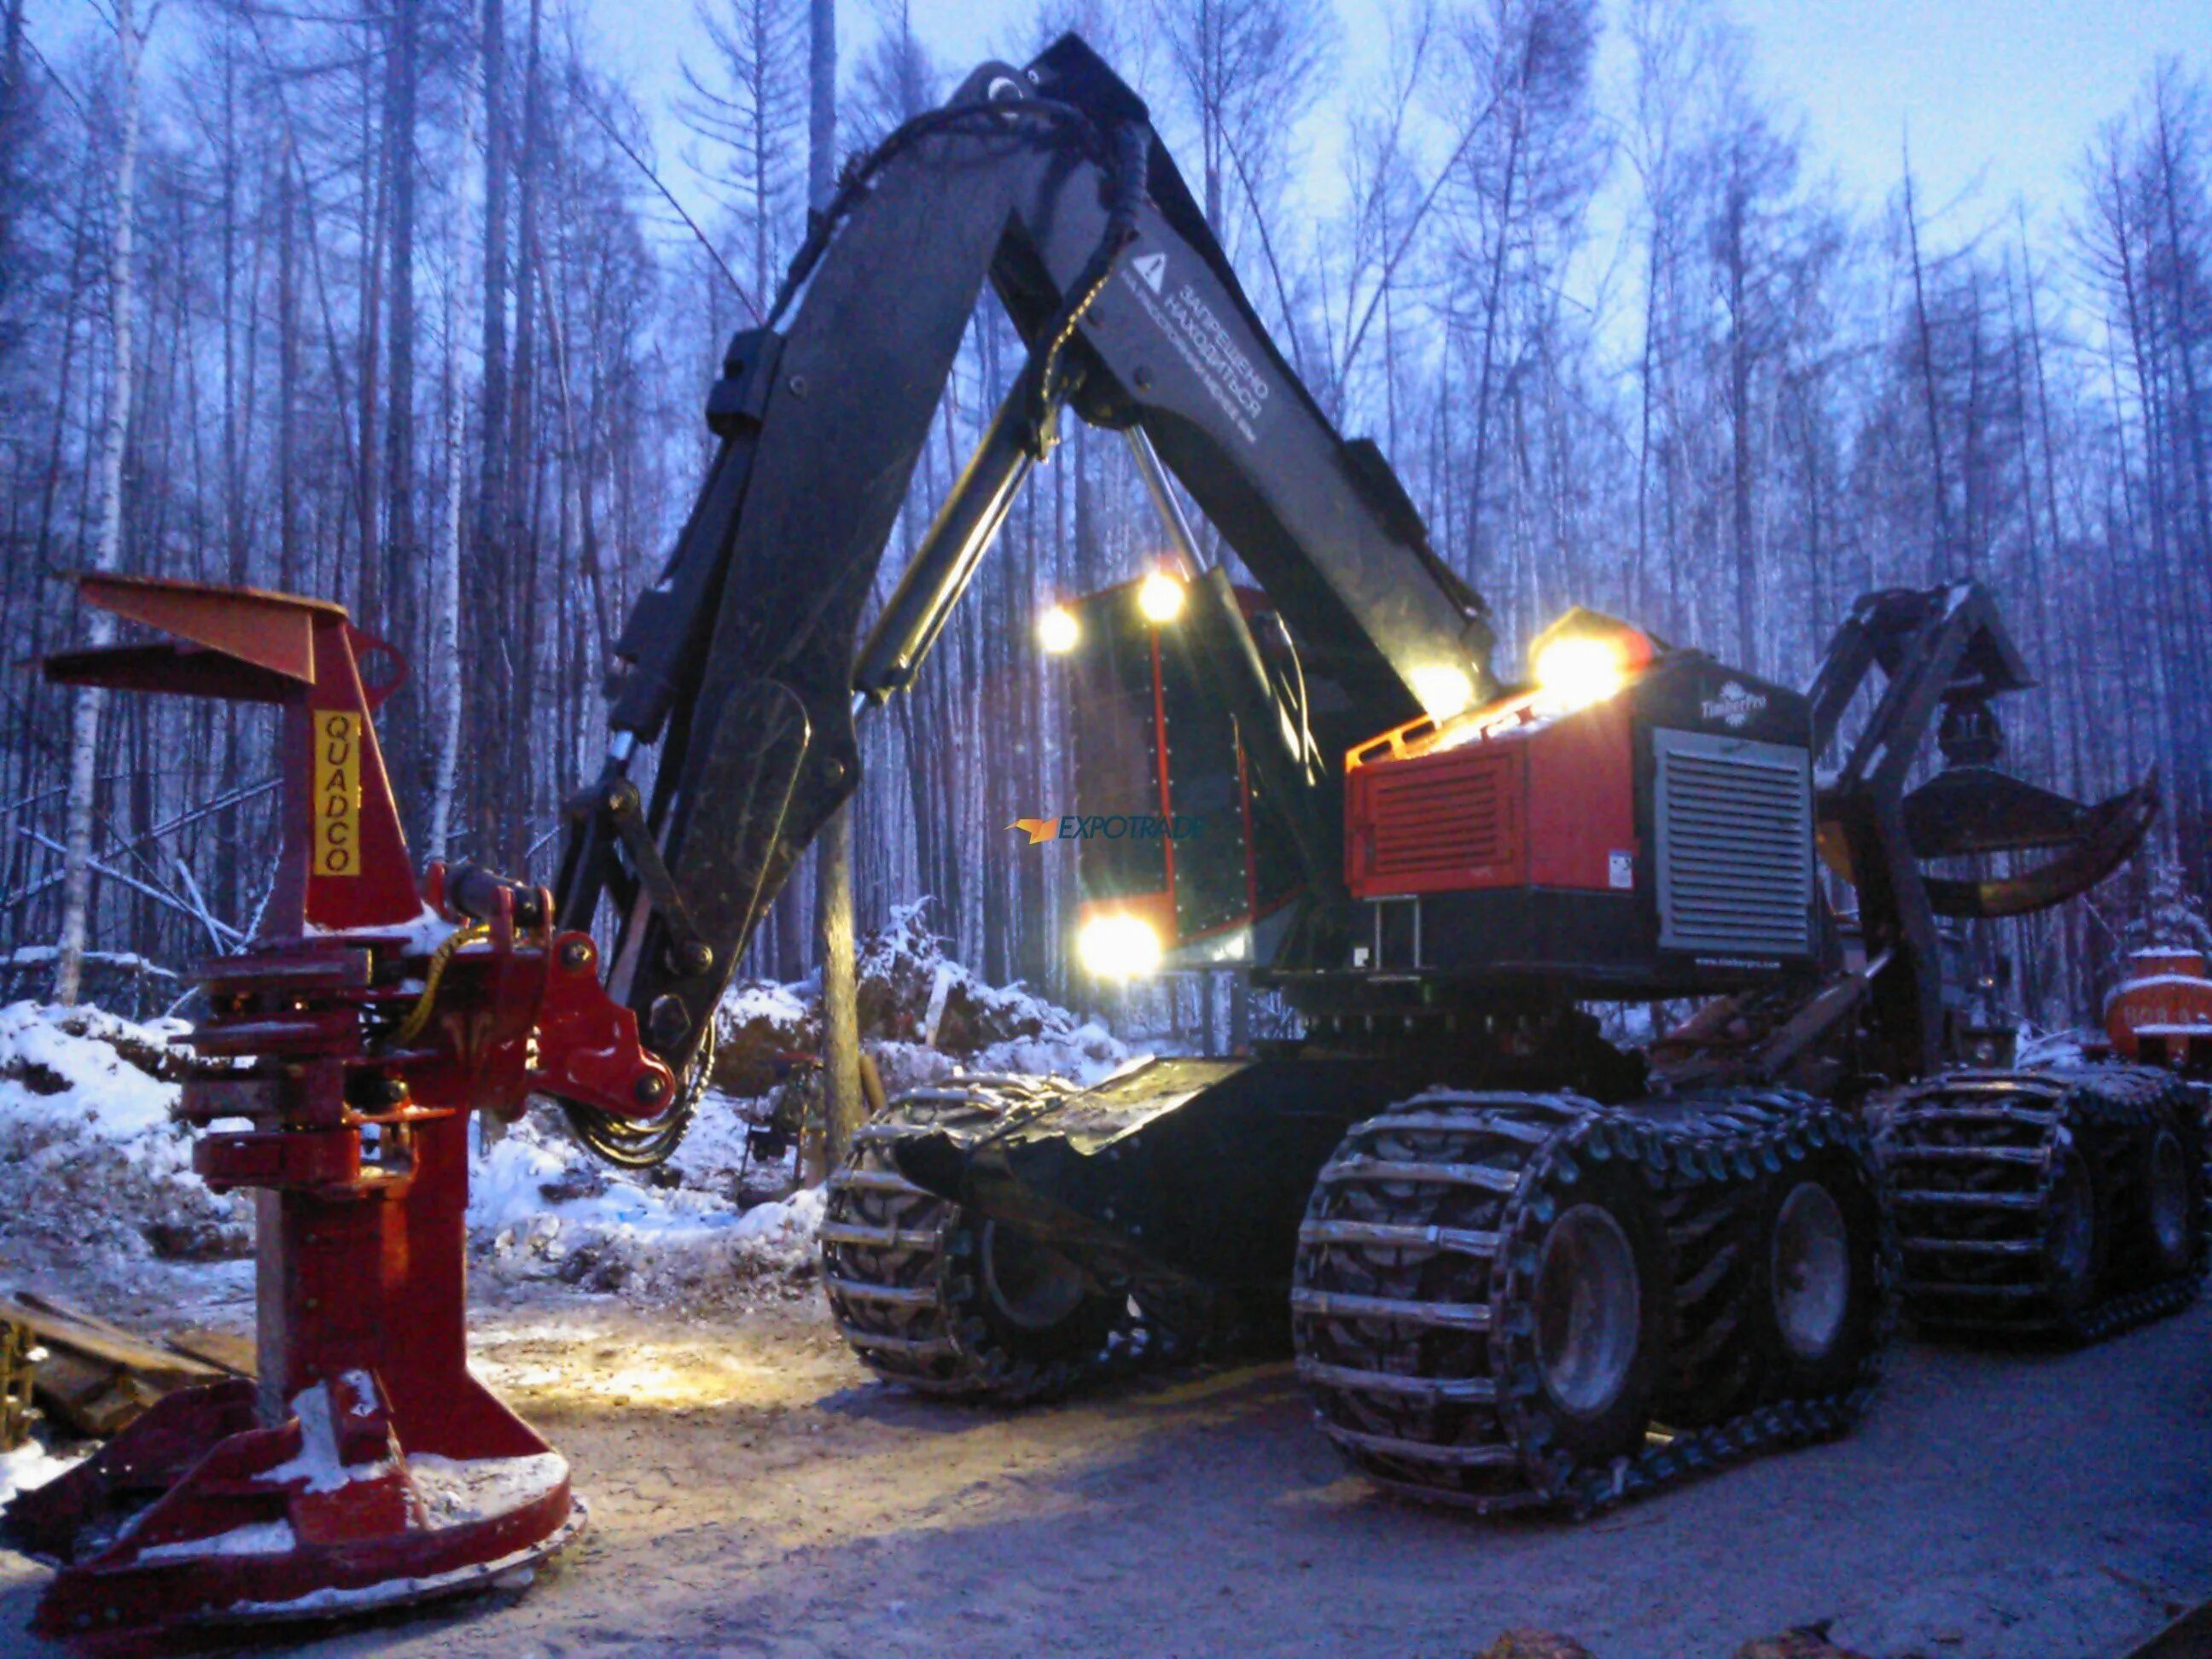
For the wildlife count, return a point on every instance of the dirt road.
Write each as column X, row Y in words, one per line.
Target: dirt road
column 752, row 1493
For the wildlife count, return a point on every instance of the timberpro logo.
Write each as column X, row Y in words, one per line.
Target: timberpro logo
column 1119, row 826
column 1735, row 706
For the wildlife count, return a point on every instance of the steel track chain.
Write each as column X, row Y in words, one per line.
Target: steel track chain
column 1973, row 1160
column 901, row 1272
column 1411, row 1306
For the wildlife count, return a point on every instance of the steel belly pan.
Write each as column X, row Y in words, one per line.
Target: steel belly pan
column 1199, row 1169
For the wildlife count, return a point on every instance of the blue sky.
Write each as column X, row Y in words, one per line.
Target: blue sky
column 2002, row 94
column 1999, row 96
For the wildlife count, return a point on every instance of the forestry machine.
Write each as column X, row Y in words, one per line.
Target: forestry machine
column 1524, row 1259
column 1521, row 1263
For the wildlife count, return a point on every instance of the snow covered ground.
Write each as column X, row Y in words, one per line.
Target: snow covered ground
column 30, row 1465
column 98, row 1199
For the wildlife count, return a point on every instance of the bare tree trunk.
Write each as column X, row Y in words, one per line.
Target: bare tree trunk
column 445, row 596
column 1736, row 256
column 375, row 197
column 821, row 104
column 1927, row 335
column 108, row 549
column 14, row 121
column 288, row 380
column 833, row 860
column 493, row 699
column 400, row 542
column 519, row 537
column 841, row 1029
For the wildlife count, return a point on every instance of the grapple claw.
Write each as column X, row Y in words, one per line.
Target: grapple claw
column 2111, row 831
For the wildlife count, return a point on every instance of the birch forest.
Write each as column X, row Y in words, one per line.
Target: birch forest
column 390, row 302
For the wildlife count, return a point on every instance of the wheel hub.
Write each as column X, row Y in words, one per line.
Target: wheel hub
column 2073, row 1219
column 1589, row 1301
column 1811, row 1271
column 1033, row 1284
column 2169, row 1198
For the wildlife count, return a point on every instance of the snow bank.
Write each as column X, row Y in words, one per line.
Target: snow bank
column 90, row 1161
column 541, row 1209
column 924, row 1015
column 29, row 1466
column 95, row 1172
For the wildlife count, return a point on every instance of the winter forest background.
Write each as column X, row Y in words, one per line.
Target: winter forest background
column 379, row 301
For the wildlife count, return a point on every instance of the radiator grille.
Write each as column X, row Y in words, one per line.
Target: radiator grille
column 1441, row 820
column 1735, row 846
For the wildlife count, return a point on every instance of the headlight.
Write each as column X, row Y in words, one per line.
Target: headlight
column 1159, row 597
column 1058, row 631
column 1444, row 689
column 1118, row 946
column 1578, row 670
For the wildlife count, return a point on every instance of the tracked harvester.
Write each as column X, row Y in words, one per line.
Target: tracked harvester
column 1521, row 1262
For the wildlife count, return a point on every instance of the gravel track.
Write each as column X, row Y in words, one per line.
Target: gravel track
column 752, row 1493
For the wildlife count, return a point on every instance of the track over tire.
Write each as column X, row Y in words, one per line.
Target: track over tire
column 1451, row 1305
column 947, row 1304
column 1817, row 1244
column 1592, row 1271
column 2060, row 1204
column 2173, row 1181
column 2077, row 1234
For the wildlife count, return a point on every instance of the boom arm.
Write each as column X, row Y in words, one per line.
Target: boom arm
column 739, row 663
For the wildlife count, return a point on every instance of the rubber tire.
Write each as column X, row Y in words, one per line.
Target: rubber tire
column 1016, row 1362
column 2068, row 1299
column 1787, row 1374
column 2160, row 1262
column 1713, row 1379
column 1617, row 1431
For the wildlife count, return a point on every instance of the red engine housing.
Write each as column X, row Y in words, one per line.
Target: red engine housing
column 1547, row 804
column 1656, row 843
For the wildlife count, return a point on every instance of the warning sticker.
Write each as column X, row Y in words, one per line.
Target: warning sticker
column 338, row 793
column 1205, row 343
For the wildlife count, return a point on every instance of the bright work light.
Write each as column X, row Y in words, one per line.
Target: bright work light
column 1159, row 596
column 1580, row 669
column 1118, row 946
column 1058, row 631
column 1444, row 689
column 1583, row 659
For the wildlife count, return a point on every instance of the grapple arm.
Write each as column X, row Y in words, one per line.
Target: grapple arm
column 740, row 666
column 1944, row 657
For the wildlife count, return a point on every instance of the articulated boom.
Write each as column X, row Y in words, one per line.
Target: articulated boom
column 740, row 663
